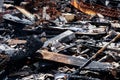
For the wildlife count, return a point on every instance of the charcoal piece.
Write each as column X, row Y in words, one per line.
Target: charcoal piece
column 63, row 37
column 17, row 19
column 32, row 45
column 17, row 2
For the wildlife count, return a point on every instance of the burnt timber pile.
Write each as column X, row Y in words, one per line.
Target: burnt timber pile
column 59, row 40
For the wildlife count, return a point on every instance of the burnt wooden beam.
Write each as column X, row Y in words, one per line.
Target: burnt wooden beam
column 16, row 41
column 61, row 58
column 63, row 37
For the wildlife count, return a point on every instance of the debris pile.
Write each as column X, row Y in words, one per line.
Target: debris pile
column 59, row 40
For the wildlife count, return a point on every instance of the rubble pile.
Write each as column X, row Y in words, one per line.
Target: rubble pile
column 59, row 40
